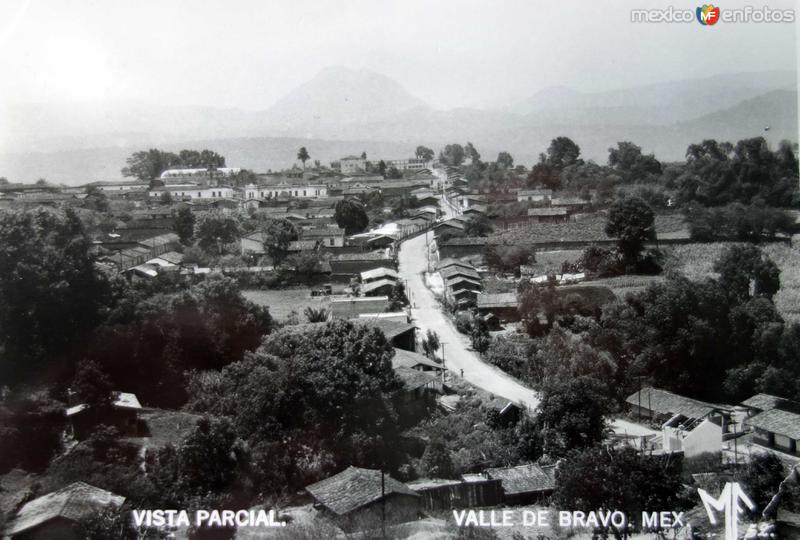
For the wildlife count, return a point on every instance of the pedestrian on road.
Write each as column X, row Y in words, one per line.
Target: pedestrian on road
column 462, row 373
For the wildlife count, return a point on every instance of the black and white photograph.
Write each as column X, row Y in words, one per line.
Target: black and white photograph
column 399, row 269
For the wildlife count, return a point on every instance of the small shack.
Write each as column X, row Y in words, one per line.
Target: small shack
column 361, row 499
column 525, row 484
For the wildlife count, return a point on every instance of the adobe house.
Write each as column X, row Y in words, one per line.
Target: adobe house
column 364, row 499
column 60, row 514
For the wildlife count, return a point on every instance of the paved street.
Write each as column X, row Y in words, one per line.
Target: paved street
column 458, row 356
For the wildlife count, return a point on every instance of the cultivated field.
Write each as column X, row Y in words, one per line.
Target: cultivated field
column 622, row 285
column 588, row 229
column 282, row 302
column 696, row 262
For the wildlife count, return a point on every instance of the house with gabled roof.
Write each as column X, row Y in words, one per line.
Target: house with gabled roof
column 413, row 360
column 363, row 499
column 775, row 422
column 548, row 215
column 60, row 514
column 378, row 287
column 123, row 414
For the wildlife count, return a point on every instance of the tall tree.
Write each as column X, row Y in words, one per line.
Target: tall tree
column 423, row 152
column 627, row 159
column 184, row 225
column 215, row 230
column 278, row 234
column 351, row 216
column 630, row 220
column 743, row 268
column 472, row 153
column 504, row 160
column 562, row 152
column 572, row 413
column 149, row 164
column 303, row 155
column 452, row 155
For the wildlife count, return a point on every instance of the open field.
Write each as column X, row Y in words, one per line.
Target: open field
column 551, row 261
column 696, row 262
column 282, row 303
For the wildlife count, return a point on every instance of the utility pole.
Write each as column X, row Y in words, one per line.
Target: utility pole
column 383, row 503
column 444, row 367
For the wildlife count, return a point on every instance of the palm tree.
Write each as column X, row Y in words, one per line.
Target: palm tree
column 316, row 315
column 303, row 155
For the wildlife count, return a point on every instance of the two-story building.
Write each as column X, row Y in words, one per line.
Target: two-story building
column 352, row 164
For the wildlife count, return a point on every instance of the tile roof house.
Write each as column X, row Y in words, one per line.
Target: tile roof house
column 59, row 514
column 444, row 263
column 401, row 334
column 453, row 271
column 524, row 484
column 775, row 424
column 763, row 402
column 414, row 360
column 657, row 403
column 357, row 498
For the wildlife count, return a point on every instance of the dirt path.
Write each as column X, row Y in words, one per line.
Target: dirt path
column 458, row 356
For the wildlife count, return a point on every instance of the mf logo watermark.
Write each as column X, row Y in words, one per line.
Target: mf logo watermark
column 728, row 502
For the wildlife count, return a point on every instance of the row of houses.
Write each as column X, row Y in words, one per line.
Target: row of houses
column 359, row 499
column 461, row 281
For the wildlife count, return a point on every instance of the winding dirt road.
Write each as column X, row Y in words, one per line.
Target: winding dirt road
column 458, row 356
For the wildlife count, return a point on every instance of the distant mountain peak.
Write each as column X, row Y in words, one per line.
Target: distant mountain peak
column 340, row 95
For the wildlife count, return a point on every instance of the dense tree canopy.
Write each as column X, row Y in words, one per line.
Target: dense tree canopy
column 310, row 403
column 51, row 294
column 149, row 343
column 149, row 164
column 622, row 479
column 719, row 173
column 627, row 159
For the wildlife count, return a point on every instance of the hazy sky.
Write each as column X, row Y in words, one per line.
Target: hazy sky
column 249, row 53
